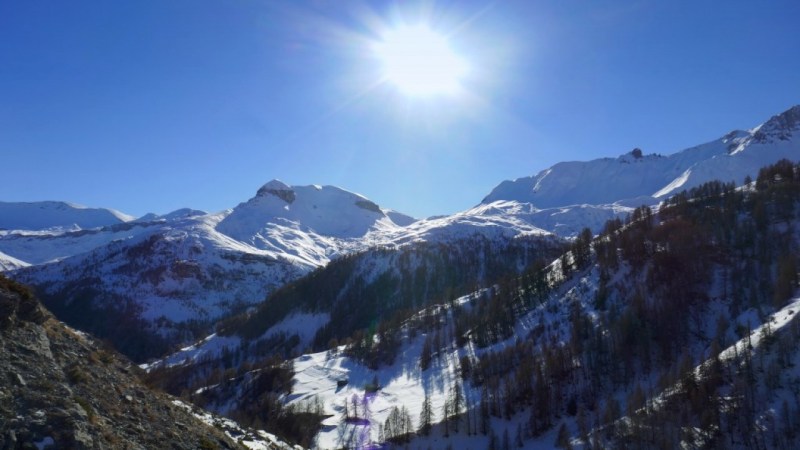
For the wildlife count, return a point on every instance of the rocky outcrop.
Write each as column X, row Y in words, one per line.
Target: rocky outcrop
column 369, row 206
column 780, row 127
column 18, row 305
column 278, row 189
column 59, row 389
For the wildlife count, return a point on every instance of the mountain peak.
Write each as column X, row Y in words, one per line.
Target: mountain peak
column 278, row 189
column 327, row 211
column 636, row 155
column 275, row 184
column 779, row 127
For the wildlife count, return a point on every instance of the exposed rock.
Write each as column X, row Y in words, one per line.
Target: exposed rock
column 17, row 304
column 68, row 392
column 278, row 189
column 779, row 127
column 368, row 205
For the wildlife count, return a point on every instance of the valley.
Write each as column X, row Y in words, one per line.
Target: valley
column 642, row 301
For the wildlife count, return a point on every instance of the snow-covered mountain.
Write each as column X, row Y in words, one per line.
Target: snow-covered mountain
column 187, row 267
column 167, row 278
column 506, row 219
column 312, row 223
column 386, row 286
column 575, row 192
column 677, row 329
column 164, row 278
column 60, row 215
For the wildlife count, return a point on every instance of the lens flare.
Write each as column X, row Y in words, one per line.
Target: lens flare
column 420, row 62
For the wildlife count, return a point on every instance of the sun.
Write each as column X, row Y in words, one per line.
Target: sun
column 420, row 62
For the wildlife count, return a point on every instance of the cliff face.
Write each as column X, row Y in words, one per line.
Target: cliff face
column 59, row 388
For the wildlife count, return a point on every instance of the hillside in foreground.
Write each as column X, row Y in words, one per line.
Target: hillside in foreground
column 60, row 389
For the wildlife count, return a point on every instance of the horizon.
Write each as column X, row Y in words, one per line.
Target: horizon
column 153, row 107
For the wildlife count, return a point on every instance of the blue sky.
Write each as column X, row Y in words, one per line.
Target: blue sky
column 150, row 106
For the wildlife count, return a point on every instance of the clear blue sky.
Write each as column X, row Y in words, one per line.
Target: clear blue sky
column 149, row 106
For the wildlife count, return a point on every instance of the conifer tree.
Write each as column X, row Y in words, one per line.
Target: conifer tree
column 425, row 416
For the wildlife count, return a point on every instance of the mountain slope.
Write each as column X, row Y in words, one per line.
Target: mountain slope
column 43, row 215
column 160, row 286
column 507, row 219
column 36, row 247
column 10, row 263
column 624, row 341
column 166, row 280
column 58, row 388
column 634, row 179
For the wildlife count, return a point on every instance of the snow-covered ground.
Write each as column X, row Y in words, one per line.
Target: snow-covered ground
column 774, row 322
column 322, row 377
column 337, row 381
column 251, row 439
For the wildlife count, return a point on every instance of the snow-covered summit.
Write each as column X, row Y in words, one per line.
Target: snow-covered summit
column 327, row 211
column 177, row 214
column 650, row 178
column 52, row 214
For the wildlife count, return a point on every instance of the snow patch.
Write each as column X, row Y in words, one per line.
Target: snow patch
column 675, row 184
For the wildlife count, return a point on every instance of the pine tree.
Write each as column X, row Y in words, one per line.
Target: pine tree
column 457, row 402
column 426, row 416
column 492, row 440
column 354, row 402
column 562, row 439
column 425, row 355
column 484, row 411
column 446, row 418
column 786, row 281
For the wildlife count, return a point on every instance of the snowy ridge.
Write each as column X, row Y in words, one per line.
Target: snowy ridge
column 10, row 263
column 44, row 215
column 506, row 219
column 39, row 247
column 178, row 271
column 650, row 178
column 177, row 214
column 503, row 221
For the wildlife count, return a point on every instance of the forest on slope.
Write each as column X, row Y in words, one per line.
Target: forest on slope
column 662, row 322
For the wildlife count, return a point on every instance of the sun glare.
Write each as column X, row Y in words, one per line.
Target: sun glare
column 420, row 62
